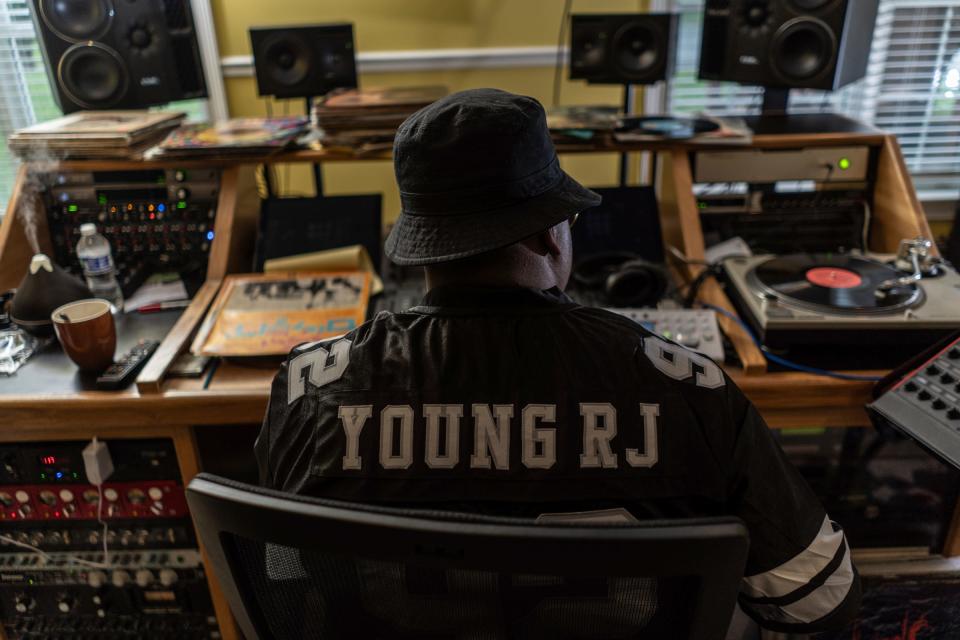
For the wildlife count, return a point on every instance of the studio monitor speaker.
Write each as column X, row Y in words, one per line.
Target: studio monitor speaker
column 303, row 62
column 119, row 54
column 633, row 48
column 812, row 44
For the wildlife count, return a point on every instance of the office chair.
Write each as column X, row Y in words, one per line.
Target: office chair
column 296, row 567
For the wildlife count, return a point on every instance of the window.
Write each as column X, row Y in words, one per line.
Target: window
column 25, row 96
column 912, row 87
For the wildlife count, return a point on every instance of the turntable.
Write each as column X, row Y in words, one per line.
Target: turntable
column 847, row 309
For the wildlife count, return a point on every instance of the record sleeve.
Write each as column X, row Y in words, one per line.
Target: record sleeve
column 269, row 314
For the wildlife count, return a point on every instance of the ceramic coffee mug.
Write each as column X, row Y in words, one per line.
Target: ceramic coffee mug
column 86, row 331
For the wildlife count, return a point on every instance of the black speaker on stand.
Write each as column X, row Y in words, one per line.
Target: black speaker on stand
column 627, row 49
column 788, row 44
column 304, row 62
column 118, row 54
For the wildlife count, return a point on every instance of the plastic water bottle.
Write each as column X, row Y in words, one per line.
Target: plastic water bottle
column 94, row 253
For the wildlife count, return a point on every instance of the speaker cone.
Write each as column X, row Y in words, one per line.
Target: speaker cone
column 589, row 50
column 77, row 19
column 287, row 59
column 802, row 49
column 636, row 49
column 92, row 75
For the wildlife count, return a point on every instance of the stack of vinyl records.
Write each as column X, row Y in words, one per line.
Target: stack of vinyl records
column 583, row 124
column 367, row 119
column 94, row 134
column 237, row 136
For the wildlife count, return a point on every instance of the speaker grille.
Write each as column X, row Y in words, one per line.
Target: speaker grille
column 77, row 19
column 93, row 75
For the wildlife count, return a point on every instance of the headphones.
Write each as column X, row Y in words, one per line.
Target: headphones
column 623, row 278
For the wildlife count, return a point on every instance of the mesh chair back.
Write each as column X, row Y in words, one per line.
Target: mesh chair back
column 295, row 567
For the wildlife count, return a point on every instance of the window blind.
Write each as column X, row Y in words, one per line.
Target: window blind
column 25, row 96
column 912, row 86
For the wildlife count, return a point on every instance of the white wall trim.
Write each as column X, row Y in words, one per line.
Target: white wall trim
column 210, row 56
column 427, row 60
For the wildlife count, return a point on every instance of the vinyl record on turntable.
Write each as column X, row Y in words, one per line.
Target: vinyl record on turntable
column 832, row 283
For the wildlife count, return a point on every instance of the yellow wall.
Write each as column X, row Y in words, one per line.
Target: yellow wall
column 381, row 25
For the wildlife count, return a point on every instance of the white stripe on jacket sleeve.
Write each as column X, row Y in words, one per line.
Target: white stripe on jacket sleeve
column 799, row 570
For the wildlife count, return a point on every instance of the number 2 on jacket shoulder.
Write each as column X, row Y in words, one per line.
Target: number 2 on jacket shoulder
column 321, row 366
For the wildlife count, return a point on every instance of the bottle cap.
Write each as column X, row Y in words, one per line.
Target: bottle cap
column 88, row 229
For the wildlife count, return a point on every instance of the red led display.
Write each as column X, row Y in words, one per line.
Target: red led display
column 48, row 460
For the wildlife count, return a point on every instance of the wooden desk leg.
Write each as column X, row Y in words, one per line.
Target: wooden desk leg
column 186, row 446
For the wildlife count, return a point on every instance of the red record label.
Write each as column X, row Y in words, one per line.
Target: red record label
column 834, row 278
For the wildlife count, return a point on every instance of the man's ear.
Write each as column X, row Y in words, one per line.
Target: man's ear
column 546, row 242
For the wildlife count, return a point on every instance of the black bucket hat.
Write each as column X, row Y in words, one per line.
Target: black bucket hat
column 477, row 171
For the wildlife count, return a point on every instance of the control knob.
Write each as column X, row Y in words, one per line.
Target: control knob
column 168, row 577
column 65, row 603
column 119, row 578
column 136, row 496
column 24, row 603
column 96, row 579
column 48, row 498
column 144, row 578
column 6, row 499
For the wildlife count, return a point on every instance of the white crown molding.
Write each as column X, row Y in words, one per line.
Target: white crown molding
column 427, row 60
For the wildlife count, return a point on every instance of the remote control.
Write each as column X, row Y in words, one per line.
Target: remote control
column 121, row 373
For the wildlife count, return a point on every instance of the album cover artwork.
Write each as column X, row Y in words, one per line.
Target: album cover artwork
column 269, row 314
column 247, row 135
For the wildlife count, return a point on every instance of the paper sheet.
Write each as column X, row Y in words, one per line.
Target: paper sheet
column 157, row 288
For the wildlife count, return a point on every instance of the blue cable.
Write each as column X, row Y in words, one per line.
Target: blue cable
column 783, row 361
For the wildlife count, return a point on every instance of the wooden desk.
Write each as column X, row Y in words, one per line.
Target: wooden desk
column 237, row 395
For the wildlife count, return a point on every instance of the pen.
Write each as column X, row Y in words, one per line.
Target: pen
column 163, row 306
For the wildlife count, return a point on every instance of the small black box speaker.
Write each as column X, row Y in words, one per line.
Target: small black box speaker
column 632, row 48
column 303, row 62
column 118, row 54
column 809, row 44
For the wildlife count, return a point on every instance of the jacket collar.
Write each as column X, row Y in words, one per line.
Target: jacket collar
column 471, row 298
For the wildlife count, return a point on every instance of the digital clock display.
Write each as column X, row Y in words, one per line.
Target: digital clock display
column 49, row 460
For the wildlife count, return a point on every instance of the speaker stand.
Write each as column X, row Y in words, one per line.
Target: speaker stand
column 317, row 170
column 775, row 102
column 629, row 92
column 775, row 119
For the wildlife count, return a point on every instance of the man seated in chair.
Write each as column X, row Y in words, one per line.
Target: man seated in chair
column 500, row 395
